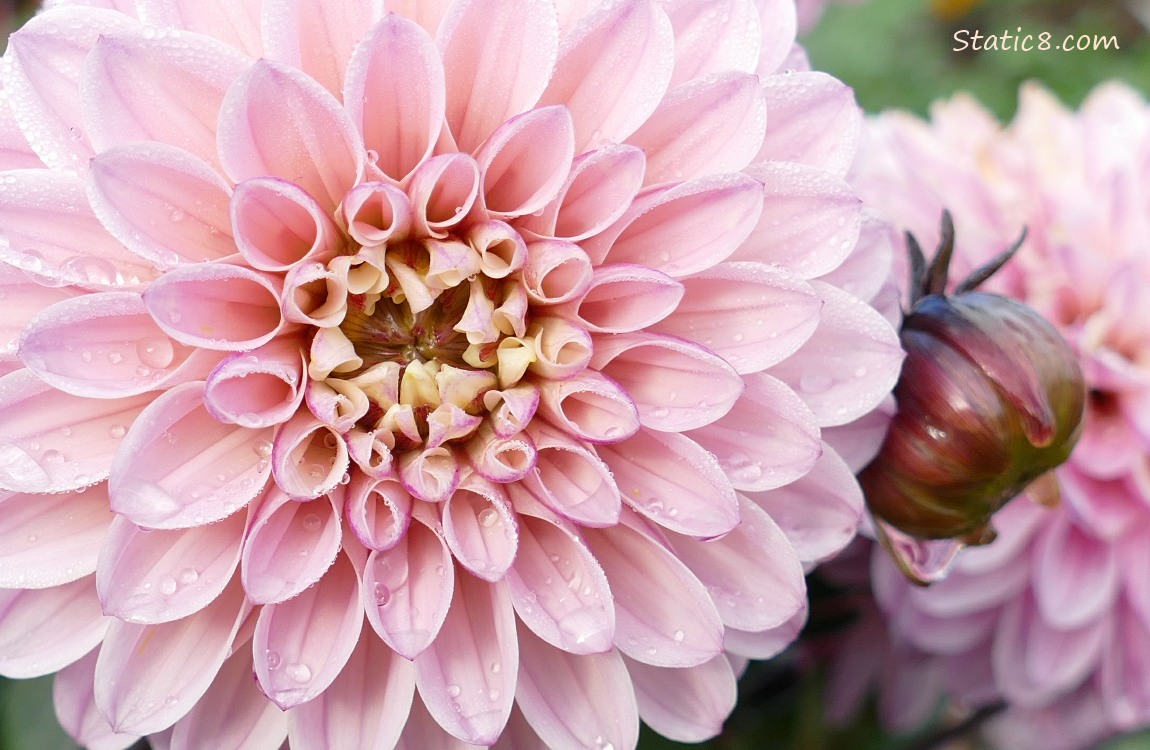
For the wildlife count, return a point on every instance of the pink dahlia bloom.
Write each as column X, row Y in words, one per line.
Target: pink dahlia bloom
column 1053, row 617
column 468, row 371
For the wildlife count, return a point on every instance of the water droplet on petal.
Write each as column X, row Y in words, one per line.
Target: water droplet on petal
column 273, row 659
column 262, row 448
column 168, row 586
column 488, row 517
column 311, row 522
column 156, row 352
column 382, row 594
column 298, row 672
column 188, row 576
column 454, row 691
column 52, row 456
column 117, row 431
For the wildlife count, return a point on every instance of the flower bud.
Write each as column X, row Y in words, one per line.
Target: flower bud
column 989, row 399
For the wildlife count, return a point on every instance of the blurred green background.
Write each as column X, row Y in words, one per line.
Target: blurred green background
column 895, row 53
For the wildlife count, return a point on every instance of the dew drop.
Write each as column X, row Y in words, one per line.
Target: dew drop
column 52, row 456
column 496, row 667
column 188, row 576
column 738, row 337
column 382, row 594
column 273, row 659
column 177, row 215
column 311, row 522
column 168, row 586
column 156, row 352
column 454, row 691
column 262, row 448
column 298, row 672
column 493, row 695
column 815, row 382
column 488, row 517
column 117, row 431
column 86, row 355
column 860, row 372
column 679, row 636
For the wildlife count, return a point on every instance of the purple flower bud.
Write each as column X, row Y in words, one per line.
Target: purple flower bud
column 990, row 398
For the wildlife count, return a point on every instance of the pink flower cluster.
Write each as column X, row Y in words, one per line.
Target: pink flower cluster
column 474, row 373
column 1054, row 616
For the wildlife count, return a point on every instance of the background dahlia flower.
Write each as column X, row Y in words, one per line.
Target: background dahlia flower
column 1054, row 616
column 479, row 373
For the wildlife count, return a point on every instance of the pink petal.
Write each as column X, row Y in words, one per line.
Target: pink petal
column 753, row 574
column 309, row 458
column 49, row 540
column 279, row 225
column 106, row 345
column 45, row 630
column 751, row 314
column 367, row 705
column 809, row 223
column 158, row 576
column 708, row 126
column 53, row 442
column 684, row 229
column 868, row 268
column 301, row 645
column 317, row 38
column 1076, row 576
column 467, row 677
column 216, row 306
column 623, row 298
column 688, row 704
column 858, row 442
column 518, row 734
column 599, row 189
column 142, row 86
column 165, row 204
column 665, row 375
column 378, row 510
column 768, row 439
column 556, row 272
column 23, row 300
column 277, row 122
column 765, row 644
column 713, row 37
column 430, row 475
column 257, row 388
column 575, row 701
column 289, row 546
column 376, row 212
column 408, row 588
column 526, row 161
column 55, row 238
column 422, row 731
column 46, row 58
column 819, row 512
column 779, row 23
column 559, row 590
column 1035, row 662
column 840, row 388
column 663, row 615
column 612, row 71
column 232, row 713
column 480, row 529
column 1122, row 677
column 15, row 153
column 72, row 696
column 497, row 57
column 672, row 481
column 148, row 676
column 236, row 25
column 395, row 94
column 814, row 121
column 570, row 479
column 315, row 295
column 589, row 407
column 178, row 467
column 498, row 459
column 442, row 190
